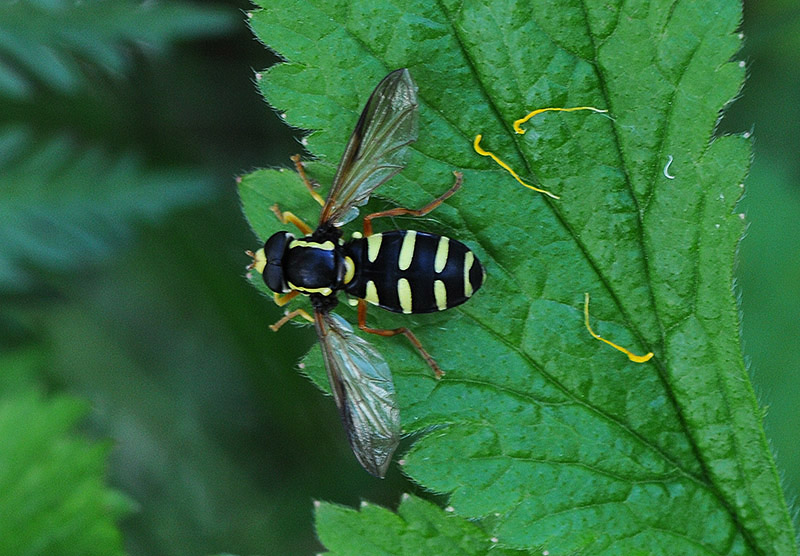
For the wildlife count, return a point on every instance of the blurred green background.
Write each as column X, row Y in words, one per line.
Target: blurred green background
column 217, row 439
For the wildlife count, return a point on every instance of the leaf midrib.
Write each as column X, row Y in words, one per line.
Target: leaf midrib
column 661, row 364
column 705, row 480
column 551, row 204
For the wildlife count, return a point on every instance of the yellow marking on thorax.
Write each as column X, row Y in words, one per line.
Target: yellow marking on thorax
column 469, row 259
column 442, row 250
column 349, row 270
column 326, row 291
column 404, row 294
column 440, row 294
column 407, row 250
column 374, row 246
column 371, row 295
column 326, row 246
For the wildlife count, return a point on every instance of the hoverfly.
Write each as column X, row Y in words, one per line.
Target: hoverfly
column 402, row 270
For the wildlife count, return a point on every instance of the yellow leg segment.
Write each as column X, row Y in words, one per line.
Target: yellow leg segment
column 287, row 217
column 281, row 300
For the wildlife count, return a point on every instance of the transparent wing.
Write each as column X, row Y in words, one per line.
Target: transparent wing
column 376, row 149
column 364, row 392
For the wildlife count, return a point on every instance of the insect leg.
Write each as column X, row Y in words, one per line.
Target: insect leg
column 289, row 316
column 281, row 300
column 362, row 324
column 287, row 217
column 420, row 212
column 290, row 218
column 252, row 255
column 298, row 164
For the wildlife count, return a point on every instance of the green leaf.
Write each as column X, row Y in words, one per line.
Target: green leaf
column 50, row 41
column 553, row 440
column 53, row 496
column 63, row 205
column 418, row 527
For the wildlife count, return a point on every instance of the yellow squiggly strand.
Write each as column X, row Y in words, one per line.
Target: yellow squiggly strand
column 481, row 151
column 521, row 121
column 633, row 357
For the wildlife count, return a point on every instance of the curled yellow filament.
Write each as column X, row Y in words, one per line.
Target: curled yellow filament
column 481, row 151
column 632, row 356
column 521, row 121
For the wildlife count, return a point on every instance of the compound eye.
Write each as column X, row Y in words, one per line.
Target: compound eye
column 273, row 277
column 275, row 247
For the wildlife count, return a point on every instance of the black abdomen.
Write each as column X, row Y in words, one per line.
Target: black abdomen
column 413, row 272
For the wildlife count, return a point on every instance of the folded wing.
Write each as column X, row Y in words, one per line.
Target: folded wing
column 376, row 149
column 362, row 386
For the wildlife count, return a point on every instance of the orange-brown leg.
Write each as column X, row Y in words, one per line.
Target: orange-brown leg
column 362, row 324
column 289, row 316
column 298, row 164
column 287, row 217
column 281, row 300
column 420, row 212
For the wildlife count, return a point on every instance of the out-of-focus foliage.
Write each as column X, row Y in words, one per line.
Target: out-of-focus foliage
column 122, row 257
column 53, row 496
column 64, row 200
column 63, row 206
column 218, row 441
column 59, row 43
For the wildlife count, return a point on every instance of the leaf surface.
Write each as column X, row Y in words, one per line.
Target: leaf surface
column 553, row 439
column 418, row 527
